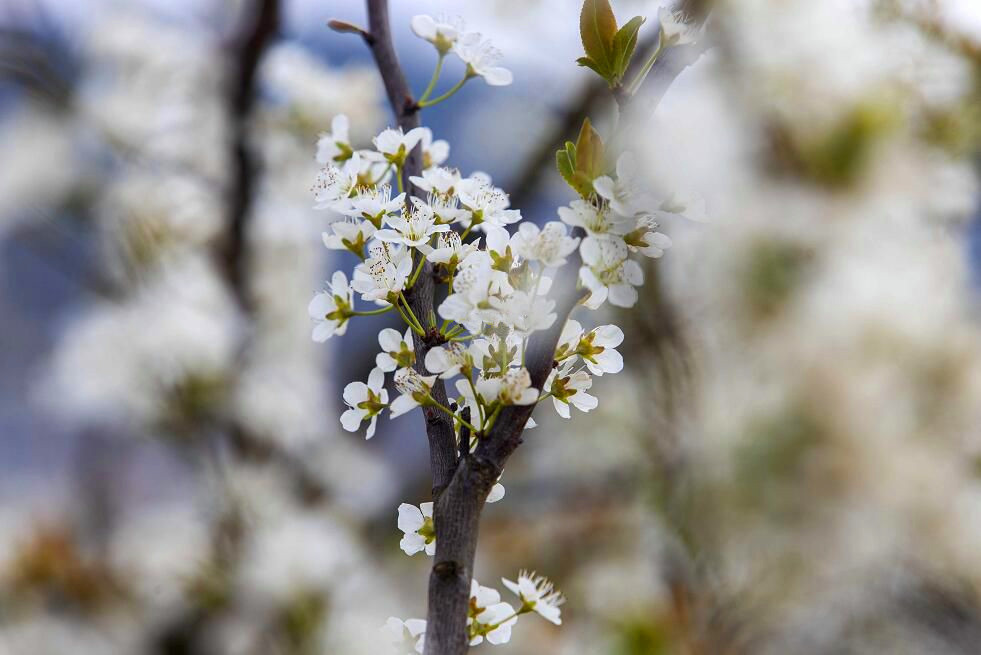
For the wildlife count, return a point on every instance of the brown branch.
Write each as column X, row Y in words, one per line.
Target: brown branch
column 246, row 53
column 439, row 427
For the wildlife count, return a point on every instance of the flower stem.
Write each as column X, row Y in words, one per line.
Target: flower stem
column 634, row 86
column 411, row 315
column 374, row 312
column 435, row 101
column 435, row 78
column 456, row 417
column 415, row 275
column 398, row 177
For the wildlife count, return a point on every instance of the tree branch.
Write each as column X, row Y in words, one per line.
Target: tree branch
column 439, row 427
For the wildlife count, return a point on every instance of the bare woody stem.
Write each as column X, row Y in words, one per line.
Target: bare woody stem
column 461, row 481
column 439, row 427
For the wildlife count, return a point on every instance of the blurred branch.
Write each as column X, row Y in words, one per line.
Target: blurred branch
column 259, row 31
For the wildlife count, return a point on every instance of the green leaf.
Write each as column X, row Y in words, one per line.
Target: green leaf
column 590, row 152
column 565, row 166
column 598, row 28
column 589, row 63
column 625, row 43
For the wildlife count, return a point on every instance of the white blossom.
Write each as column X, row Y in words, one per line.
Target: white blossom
column 607, row 272
column 537, row 594
column 487, row 204
column 350, row 234
column 415, row 230
column 481, row 59
column 623, row 195
column 451, row 250
column 365, row 401
column 550, row 245
column 434, row 152
column 395, row 145
column 408, row 636
column 330, row 309
column 469, row 304
column 417, row 524
column 372, row 203
column 646, row 239
column 414, row 389
column 596, row 220
column 524, row 312
column 384, row 273
column 512, row 388
column 442, row 32
column 449, row 360
column 568, row 387
column 335, row 146
column 438, row 179
column 334, row 185
column 488, row 616
column 397, row 350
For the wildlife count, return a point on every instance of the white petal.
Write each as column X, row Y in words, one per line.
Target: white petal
column 389, row 340
column 498, row 76
column 410, row 518
column 412, row 544
column 496, row 493
column 424, row 26
column 401, row 405
column 375, row 381
column 355, row 392
column 351, row 420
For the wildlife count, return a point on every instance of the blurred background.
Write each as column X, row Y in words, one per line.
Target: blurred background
column 790, row 462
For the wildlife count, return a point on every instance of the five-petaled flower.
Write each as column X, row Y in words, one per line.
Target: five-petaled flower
column 488, row 616
column 482, row 59
column 407, row 636
column 331, row 309
column 335, row 146
column 420, row 531
column 365, row 401
column 537, row 594
column 397, row 351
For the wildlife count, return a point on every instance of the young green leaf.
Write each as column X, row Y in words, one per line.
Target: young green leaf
column 589, row 152
column 598, row 28
column 625, row 43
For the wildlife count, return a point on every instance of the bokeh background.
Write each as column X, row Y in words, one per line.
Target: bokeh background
column 790, row 462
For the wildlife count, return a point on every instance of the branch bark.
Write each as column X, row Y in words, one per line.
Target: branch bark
column 439, row 427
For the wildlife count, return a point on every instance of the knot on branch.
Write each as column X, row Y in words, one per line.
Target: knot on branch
column 447, row 569
column 433, row 338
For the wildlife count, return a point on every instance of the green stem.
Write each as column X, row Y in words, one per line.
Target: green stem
column 493, row 418
column 408, row 309
column 415, row 274
column 398, row 177
column 466, row 338
column 456, row 417
column 435, row 78
column 634, row 86
column 480, row 407
column 374, row 312
column 435, row 101
column 415, row 328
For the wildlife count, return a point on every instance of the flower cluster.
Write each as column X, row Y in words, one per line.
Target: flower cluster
column 489, row 617
column 495, row 271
